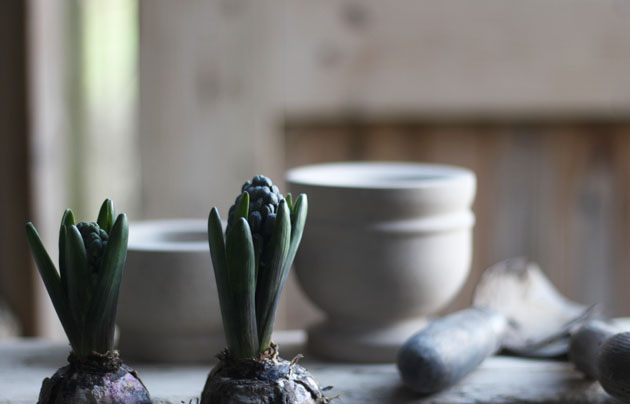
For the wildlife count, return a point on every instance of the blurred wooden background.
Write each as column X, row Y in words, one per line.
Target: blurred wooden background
column 16, row 281
column 179, row 101
column 533, row 96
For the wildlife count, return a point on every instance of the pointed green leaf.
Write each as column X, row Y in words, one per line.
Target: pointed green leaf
column 106, row 215
column 102, row 310
column 78, row 285
column 242, row 210
column 258, row 246
column 66, row 220
column 298, row 220
column 242, row 284
column 272, row 277
column 217, row 249
column 289, row 200
column 219, row 264
column 53, row 284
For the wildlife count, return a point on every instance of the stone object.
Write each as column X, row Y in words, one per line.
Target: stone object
column 169, row 308
column 385, row 246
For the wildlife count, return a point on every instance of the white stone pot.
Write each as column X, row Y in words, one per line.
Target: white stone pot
column 168, row 308
column 385, row 245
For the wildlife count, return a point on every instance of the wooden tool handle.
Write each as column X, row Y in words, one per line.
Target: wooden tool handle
column 598, row 351
column 585, row 344
column 613, row 366
column 449, row 348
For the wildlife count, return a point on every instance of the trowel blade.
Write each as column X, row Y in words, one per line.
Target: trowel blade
column 539, row 317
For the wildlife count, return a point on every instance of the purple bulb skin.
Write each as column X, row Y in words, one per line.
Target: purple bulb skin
column 264, row 380
column 94, row 381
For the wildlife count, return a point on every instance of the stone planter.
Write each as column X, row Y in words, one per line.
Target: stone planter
column 168, row 308
column 385, row 246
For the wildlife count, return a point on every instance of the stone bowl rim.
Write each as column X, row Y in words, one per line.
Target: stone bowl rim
column 378, row 175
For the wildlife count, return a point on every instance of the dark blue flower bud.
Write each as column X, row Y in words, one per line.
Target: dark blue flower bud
column 95, row 242
column 264, row 198
column 269, row 223
column 255, row 220
column 261, row 180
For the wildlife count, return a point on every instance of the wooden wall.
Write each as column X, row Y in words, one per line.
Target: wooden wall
column 558, row 193
column 16, row 276
column 218, row 79
column 225, row 84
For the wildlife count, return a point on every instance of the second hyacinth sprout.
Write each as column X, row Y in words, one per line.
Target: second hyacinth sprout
column 252, row 262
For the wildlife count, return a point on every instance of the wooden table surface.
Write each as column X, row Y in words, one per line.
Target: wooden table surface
column 24, row 363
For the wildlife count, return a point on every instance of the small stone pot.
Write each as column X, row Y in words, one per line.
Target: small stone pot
column 169, row 308
column 385, row 245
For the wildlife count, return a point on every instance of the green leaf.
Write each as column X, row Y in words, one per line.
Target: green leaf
column 219, row 264
column 77, row 273
column 53, row 284
column 242, row 284
column 289, row 200
column 298, row 220
column 106, row 215
column 242, row 210
column 66, row 220
column 217, row 249
column 258, row 247
column 273, row 275
column 102, row 310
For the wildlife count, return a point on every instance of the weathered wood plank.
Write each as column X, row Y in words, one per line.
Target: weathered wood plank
column 621, row 170
column 206, row 123
column 52, row 72
column 436, row 58
column 16, row 277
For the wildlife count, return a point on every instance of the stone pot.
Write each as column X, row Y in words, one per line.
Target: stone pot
column 169, row 308
column 385, row 246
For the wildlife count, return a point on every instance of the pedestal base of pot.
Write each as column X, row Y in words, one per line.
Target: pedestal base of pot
column 164, row 349
column 351, row 342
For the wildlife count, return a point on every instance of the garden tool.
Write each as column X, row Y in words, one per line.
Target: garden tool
column 601, row 352
column 515, row 308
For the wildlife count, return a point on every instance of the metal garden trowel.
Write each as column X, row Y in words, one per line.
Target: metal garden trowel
column 515, row 308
